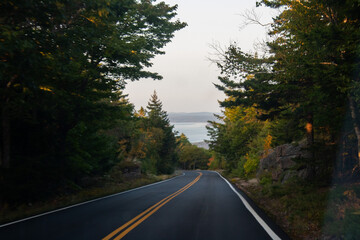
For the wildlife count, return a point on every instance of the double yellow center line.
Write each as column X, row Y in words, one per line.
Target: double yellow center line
column 133, row 223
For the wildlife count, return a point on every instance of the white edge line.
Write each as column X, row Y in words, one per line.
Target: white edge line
column 266, row 227
column 93, row 200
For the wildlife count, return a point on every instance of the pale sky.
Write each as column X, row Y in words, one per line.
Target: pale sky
column 188, row 80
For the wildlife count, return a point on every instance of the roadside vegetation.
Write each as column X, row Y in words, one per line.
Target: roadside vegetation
column 67, row 131
column 289, row 132
column 116, row 181
column 191, row 157
column 151, row 153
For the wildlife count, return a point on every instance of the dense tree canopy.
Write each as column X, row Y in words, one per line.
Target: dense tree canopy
column 307, row 83
column 191, row 156
column 63, row 65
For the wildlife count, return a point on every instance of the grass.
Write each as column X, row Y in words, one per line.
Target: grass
column 342, row 218
column 297, row 206
column 308, row 210
column 108, row 186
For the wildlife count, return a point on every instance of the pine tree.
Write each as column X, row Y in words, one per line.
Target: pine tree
column 161, row 143
column 157, row 116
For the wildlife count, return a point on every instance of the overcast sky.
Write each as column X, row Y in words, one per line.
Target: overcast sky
column 188, row 74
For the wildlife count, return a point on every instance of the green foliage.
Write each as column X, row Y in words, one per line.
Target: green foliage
column 193, row 157
column 286, row 130
column 306, row 202
column 89, row 152
column 266, row 180
column 216, row 161
column 251, row 164
column 240, row 170
column 303, row 83
column 63, row 65
column 297, row 206
column 241, row 140
column 153, row 140
column 306, row 85
column 231, row 139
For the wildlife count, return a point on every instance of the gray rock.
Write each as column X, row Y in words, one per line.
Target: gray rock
column 305, row 173
column 280, row 162
column 276, row 174
column 288, row 175
column 287, row 162
column 268, row 162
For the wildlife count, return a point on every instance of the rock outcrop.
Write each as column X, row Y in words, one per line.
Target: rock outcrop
column 281, row 162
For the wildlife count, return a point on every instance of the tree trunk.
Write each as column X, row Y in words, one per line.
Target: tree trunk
column 5, row 138
column 356, row 125
column 309, row 130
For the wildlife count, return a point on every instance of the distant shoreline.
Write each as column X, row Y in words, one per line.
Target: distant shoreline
column 202, row 144
column 193, row 125
column 179, row 117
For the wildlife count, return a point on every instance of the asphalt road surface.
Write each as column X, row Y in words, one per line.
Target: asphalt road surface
column 196, row 205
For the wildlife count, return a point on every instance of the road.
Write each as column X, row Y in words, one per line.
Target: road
column 196, row 205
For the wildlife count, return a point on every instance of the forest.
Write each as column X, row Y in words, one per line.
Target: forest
column 64, row 118
column 66, row 125
column 301, row 91
column 68, row 133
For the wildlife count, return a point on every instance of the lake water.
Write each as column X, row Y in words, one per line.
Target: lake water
column 194, row 131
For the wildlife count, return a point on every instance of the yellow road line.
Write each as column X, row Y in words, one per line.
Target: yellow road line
column 140, row 215
column 151, row 209
column 152, row 212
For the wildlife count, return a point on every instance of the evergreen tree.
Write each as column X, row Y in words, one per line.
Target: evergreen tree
column 157, row 116
column 161, row 143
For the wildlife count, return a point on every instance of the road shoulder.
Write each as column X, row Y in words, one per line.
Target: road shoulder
column 274, row 231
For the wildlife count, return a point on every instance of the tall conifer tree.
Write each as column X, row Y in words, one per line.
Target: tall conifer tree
column 162, row 144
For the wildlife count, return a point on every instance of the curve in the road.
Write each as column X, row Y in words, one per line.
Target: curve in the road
column 187, row 207
column 148, row 212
